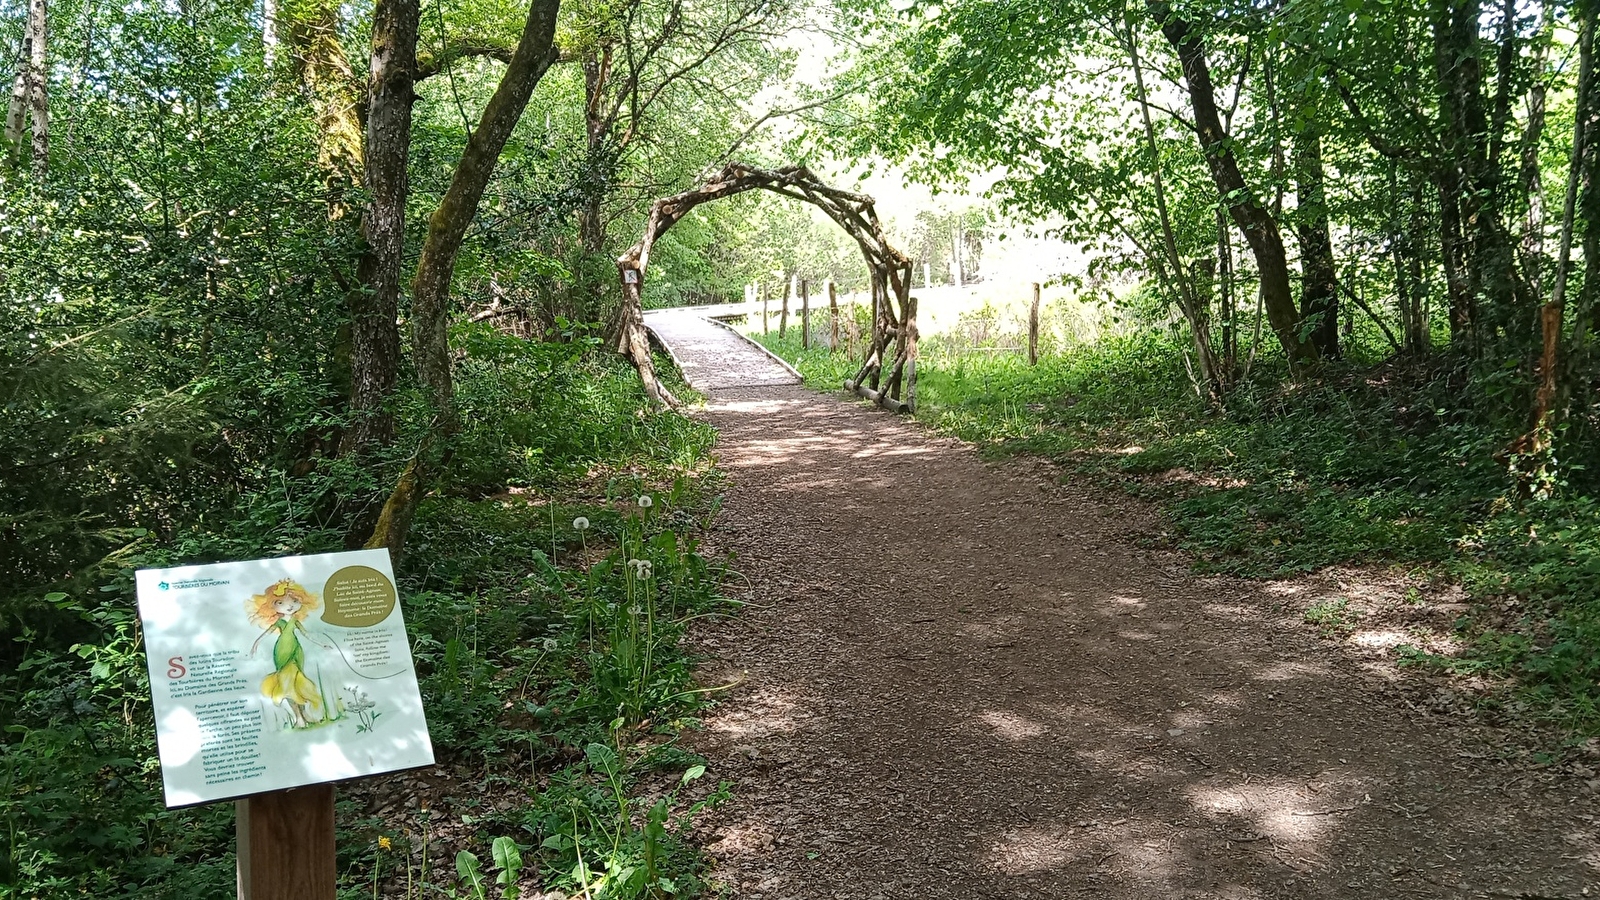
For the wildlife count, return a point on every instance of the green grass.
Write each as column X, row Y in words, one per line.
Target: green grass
column 1390, row 464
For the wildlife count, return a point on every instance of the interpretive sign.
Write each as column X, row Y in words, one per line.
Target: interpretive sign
column 278, row 673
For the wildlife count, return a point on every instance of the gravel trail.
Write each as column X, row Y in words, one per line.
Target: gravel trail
column 966, row 680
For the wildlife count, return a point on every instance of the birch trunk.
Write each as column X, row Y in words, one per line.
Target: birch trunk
column 38, row 88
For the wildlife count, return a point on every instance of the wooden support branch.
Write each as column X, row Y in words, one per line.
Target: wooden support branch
column 881, row 398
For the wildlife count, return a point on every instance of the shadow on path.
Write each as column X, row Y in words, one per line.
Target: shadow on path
column 966, row 682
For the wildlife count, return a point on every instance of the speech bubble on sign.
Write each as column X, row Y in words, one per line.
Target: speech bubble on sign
column 358, row 597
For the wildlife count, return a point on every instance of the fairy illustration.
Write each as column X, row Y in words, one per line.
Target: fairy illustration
column 283, row 609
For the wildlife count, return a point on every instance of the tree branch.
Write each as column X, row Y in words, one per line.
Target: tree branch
column 432, row 64
column 778, row 114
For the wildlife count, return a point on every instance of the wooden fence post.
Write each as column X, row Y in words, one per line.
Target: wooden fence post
column 805, row 315
column 1033, row 328
column 286, row 849
column 783, row 318
column 764, row 304
column 833, row 313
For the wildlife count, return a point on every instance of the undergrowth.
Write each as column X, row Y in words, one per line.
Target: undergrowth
column 546, row 587
column 1392, row 462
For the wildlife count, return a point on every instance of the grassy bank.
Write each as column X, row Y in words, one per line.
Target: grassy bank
column 1388, row 464
column 545, row 604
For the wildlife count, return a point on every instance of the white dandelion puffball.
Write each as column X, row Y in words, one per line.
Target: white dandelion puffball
column 642, row 568
column 549, row 644
column 580, row 524
column 645, row 502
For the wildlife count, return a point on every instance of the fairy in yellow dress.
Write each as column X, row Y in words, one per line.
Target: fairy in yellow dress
column 283, row 609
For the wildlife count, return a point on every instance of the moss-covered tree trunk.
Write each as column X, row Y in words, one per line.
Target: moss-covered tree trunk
column 309, row 29
column 447, row 228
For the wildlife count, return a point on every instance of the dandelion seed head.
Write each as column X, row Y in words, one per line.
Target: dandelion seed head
column 549, row 644
column 580, row 524
column 645, row 501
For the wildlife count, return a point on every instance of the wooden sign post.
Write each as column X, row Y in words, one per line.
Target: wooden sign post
column 286, row 847
column 271, row 680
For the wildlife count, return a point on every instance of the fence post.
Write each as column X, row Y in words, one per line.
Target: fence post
column 783, row 319
column 762, row 287
column 1033, row 328
column 833, row 314
column 805, row 315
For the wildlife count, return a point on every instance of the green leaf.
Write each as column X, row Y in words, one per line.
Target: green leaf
column 471, row 872
column 508, row 857
column 602, row 757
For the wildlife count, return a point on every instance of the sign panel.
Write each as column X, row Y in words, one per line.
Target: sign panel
column 277, row 673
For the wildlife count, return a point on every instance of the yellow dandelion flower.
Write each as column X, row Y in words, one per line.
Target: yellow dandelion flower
column 385, row 844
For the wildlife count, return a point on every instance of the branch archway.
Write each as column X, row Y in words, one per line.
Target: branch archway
column 891, row 384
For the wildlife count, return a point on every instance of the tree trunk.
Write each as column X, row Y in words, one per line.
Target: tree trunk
column 28, row 112
column 39, row 90
column 1182, row 285
column 16, row 126
column 1225, row 305
column 1260, row 228
column 1530, row 177
column 833, row 316
column 310, row 29
column 1319, row 279
column 447, row 228
column 783, row 312
column 596, row 179
column 1490, row 259
column 375, row 303
column 1459, row 283
column 1584, row 187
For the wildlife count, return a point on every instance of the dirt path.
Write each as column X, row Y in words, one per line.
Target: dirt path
column 966, row 681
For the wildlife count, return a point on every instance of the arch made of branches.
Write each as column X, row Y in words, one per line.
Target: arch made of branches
column 887, row 376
